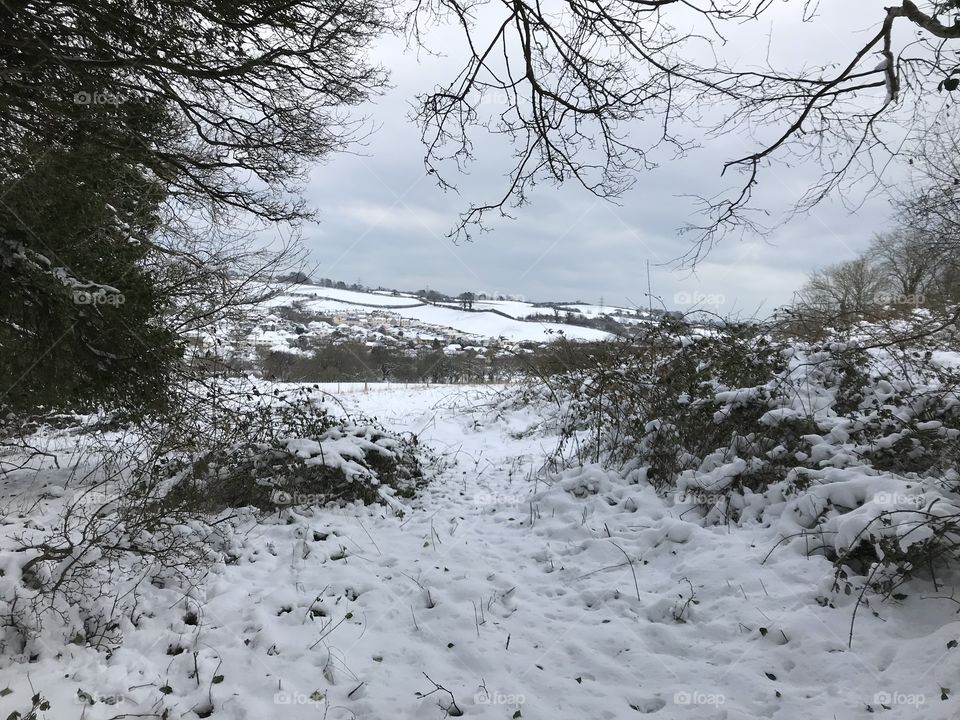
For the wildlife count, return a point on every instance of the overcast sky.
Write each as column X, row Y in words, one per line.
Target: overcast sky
column 384, row 220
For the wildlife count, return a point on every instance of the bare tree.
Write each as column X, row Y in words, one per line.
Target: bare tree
column 213, row 277
column 932, row 202
column 930, row 206
column 909, row 259
column 257, row 91
column 570, row 78
column 847, row 289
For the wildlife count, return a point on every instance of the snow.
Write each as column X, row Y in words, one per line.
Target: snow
column 323, row 299
column 513, row 308
column 483, row 321
column 495, row 326
column 520, row 310
column 272, row 340
column 598, row 310
column 544, row 597
column 946, row 358
column 342, row 299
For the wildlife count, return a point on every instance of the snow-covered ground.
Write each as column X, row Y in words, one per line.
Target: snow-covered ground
column 513, row 308
column 483, row 322
column 339, row 298
column 576, row 597
column 493, row 325
column 413, row 317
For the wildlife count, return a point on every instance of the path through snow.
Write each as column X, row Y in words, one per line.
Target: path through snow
column 588, row 600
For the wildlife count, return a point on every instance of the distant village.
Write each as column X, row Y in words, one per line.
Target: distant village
column 349, row 341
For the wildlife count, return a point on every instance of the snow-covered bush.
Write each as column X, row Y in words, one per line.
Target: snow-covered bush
column 286, row 449
column 155, row 503
column 852, row 444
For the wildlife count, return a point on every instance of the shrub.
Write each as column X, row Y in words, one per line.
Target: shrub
column 155, row 501
column 853, row 443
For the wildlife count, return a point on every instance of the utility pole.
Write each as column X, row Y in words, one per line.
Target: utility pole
column 649, row 292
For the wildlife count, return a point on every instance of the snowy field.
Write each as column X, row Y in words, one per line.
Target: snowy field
column 513, row 308
column 493, row 325
column 575, row 596
column 346, row 298
column 479, row 324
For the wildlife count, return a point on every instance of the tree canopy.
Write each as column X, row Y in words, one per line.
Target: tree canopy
column 571, row 78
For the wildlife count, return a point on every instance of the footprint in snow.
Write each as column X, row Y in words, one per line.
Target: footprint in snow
column 649, row 705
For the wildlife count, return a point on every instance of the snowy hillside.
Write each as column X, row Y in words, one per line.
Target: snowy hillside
column 486, row 319
column 321, row 333
column 487, row 324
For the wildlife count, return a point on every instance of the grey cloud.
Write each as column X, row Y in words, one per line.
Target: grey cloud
column 385, row 220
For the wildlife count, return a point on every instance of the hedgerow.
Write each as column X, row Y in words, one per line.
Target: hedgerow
column 851, row 443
